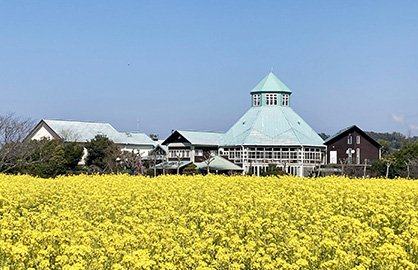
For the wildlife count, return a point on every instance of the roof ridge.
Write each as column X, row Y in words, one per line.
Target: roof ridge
column 249, row 128
column 134, row 132
column 69, row 120
column 292, row 127
column 189, row 130
column 341, row 131
column 278, row 135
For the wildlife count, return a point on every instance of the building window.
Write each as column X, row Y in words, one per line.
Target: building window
column 358, row 139
column 179, row 153
column 285, row 100
column 259, row 154
column 350, row 155
column 358, row 160
column 350, row 139
column 199, row 153
column 271, row 99
column 256, row 100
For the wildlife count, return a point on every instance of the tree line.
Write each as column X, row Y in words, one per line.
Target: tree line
column 50, row 158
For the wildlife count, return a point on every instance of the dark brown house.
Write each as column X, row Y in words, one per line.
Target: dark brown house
column 352, row 146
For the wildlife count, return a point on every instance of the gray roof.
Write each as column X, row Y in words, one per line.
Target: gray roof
column 82, row 131
column 220, row 164
column 172, row 165
column 271, row 125
column 201, row 137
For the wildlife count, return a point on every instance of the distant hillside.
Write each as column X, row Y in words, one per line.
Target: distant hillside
column 395, row 139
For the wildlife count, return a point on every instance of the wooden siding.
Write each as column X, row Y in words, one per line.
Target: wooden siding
column 368, row 149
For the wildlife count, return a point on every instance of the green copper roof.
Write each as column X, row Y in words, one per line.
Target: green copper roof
column 269, row 84
column 271, row 125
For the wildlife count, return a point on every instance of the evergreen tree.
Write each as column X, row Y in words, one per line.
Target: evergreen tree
column 102, row 154
column 190, row 169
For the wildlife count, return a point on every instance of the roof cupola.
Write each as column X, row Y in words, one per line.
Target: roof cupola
column 270, row 92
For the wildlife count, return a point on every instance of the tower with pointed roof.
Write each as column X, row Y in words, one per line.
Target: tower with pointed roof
column 271, row 133
column 271, row 92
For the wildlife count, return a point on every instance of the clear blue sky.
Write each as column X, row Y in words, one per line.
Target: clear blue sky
column 192, row 64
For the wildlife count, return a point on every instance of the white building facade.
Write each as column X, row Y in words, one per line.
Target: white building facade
column 84, row 131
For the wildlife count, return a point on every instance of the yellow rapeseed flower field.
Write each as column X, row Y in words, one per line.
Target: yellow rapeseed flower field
column 211, row 222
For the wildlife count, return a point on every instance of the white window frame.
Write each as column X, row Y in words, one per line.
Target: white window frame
column 285, row 100
column 357, row 139
column 257, row 100
column 271, row 99
column 350, row 139
column 358, row 159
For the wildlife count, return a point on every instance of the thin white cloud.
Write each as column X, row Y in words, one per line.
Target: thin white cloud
column 413, row 127
column 397, row 117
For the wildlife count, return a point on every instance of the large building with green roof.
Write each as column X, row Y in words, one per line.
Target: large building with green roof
column 271, row 133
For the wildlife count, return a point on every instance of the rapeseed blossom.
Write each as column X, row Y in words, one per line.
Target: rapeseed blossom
column 207, row 222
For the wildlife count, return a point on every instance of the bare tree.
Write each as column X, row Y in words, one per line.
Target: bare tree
column 132, row 161
column 165, row 166
column 343, row 162
column 14, row 128
column 68, row 135
column 388, row 162
column 409, row 162
column 13, row 151
column 179, row 158
column 365, row 167
column 153, row 157
column 209, row 157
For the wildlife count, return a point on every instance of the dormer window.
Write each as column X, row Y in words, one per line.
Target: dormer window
column 271, row 99
column 285, row 100
column 256, row 100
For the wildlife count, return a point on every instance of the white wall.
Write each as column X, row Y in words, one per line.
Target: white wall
column 42, row 133
column 143, row 150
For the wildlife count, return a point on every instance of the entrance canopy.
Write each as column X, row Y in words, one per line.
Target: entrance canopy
column 172, row 165
column 220, row 164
